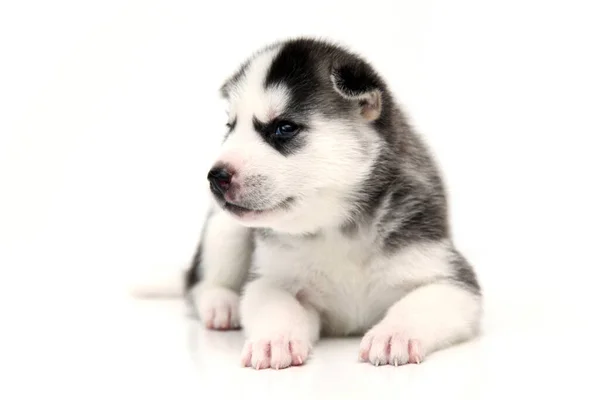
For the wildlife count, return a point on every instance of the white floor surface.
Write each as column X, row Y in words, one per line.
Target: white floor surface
column 152, row 349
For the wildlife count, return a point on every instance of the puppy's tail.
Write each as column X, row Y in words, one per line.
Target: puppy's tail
column 159, row 284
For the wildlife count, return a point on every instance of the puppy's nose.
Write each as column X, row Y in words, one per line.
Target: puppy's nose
column 220, row 180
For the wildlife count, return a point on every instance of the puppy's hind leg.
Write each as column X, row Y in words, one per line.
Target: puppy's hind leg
column 219, row 270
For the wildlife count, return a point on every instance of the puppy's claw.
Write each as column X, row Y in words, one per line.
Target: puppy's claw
column 265, row 354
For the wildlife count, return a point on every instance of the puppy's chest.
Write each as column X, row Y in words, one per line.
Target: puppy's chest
column 334, row 274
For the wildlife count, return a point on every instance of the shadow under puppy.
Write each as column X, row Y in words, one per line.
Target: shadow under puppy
column 329, row 218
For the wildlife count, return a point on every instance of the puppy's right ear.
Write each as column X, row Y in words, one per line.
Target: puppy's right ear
column 358, row 82
column 224, row 91
column 229, row 87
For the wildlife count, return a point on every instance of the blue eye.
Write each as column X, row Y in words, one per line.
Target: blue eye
column 286, row 130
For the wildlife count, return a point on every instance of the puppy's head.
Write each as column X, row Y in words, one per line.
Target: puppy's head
column 301, row 137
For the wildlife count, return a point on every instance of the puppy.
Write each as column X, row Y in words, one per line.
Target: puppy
column 329, row 219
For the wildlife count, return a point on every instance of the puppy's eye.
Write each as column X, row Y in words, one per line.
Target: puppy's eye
column 286, row 130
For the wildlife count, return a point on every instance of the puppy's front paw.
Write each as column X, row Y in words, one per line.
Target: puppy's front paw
column 387, row 344
column 218, row 308
column 278, row 351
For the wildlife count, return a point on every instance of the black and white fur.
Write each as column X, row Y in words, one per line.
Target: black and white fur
column 341, row 229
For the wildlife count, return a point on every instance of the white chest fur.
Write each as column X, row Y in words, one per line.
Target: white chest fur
column 340, row 275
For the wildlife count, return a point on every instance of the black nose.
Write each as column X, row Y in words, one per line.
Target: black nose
column 220, row 179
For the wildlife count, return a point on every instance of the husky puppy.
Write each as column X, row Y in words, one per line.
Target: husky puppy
column 330, row 218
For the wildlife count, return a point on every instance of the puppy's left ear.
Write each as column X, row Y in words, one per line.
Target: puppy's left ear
column 358, row 82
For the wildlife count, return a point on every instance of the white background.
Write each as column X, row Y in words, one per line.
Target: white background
column 110, row 117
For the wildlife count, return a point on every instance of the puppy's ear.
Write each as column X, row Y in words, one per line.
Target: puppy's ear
column 359, row 83
column 224, row 90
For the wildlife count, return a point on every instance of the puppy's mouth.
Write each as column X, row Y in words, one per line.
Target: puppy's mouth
column 243, row 211
column 238, row 210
